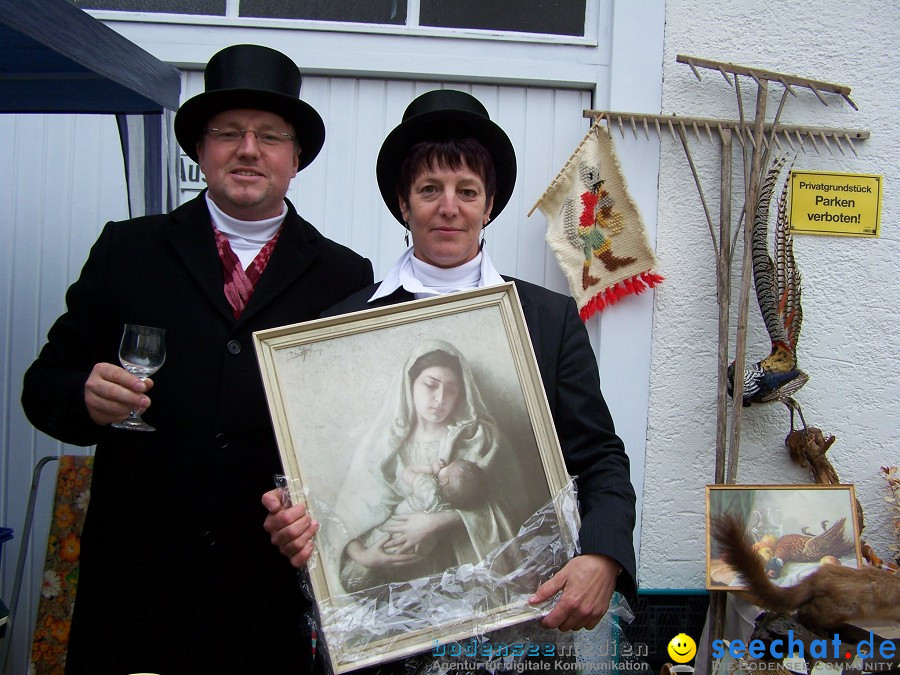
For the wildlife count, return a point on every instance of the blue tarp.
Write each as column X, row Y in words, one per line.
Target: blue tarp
column 57, row 58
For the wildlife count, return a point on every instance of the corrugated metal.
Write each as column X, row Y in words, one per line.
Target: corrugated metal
column 61, row 178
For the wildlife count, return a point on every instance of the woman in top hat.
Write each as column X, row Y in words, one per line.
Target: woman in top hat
column 176, row 575
column 445, row 172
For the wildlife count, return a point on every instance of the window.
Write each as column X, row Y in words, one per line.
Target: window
column 555, row 17
column 548, row 17
column 207, row 7
column 363, row 11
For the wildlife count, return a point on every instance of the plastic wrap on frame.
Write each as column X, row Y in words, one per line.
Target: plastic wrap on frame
column 464, row 601
column 530, row 647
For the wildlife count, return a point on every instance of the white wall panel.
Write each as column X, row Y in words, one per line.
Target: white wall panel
column 339, row 194
column 61, row 178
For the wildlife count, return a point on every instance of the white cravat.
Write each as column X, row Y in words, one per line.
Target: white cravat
column 246, row 237
column 425, row 281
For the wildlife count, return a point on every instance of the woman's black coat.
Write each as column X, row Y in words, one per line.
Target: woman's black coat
column 592, row 450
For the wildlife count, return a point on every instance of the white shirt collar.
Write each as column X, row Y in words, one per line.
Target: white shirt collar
column 250, row 230
column 425, row 281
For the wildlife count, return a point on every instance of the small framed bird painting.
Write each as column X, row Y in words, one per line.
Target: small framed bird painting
column 792, row 530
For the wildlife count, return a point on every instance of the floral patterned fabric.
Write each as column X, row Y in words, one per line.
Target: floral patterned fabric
column 51, row 632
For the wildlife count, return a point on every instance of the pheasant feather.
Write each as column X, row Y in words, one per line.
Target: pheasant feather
column 764, row 277
column 777, row 284
column 787, row 276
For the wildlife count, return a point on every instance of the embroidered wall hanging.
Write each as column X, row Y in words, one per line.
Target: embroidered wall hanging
column 595, row 229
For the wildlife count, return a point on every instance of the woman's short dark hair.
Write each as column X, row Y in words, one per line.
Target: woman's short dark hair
column 451, row 154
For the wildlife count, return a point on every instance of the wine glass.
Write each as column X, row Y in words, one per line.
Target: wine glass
column 141, row 352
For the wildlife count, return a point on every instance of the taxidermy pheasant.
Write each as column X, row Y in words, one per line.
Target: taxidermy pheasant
column 777, row 283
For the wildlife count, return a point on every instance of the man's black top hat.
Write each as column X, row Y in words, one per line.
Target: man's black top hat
column 438, row 115
column 251, row 76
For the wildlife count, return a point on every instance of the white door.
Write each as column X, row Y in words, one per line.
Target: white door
column 63, row 178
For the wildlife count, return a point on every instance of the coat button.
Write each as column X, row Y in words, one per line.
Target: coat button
column 208, row 538
column 234, row 347
column 222, row 440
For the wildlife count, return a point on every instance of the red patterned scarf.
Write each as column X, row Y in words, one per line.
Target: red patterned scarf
column 239, row 285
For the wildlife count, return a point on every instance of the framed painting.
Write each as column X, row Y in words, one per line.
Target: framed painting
column 420, row 438
column 793, row 528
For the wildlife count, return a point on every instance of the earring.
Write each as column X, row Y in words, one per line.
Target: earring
column 406, row 236
column 481, row 243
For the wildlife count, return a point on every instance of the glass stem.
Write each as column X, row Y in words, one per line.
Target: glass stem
column 134, row 414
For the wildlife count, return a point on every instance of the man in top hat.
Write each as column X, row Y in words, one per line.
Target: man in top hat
column 176, row 573
column 444, row 173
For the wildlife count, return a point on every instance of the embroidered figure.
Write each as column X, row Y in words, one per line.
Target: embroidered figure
column 596, row 225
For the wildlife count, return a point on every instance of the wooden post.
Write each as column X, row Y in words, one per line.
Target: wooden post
column 723, row 296
column 740, row 346
column 717, row 599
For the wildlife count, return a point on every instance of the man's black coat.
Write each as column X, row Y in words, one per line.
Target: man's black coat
column 177, row 574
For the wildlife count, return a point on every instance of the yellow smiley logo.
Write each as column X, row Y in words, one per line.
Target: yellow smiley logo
column 682, row 648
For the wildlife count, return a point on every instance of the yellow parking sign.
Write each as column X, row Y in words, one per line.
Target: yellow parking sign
column 847, row 204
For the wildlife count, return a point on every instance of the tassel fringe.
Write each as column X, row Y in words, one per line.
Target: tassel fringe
column 630, row 286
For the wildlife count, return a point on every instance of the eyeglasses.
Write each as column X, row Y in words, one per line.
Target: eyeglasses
column 234, row 136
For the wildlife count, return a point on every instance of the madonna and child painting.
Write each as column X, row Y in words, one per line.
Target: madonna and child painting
column 421, row 445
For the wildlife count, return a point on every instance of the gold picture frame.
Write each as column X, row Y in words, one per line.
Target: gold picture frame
column 770, row 513
column 329, row 384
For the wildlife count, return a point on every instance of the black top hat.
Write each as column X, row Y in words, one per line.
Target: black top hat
column 251, row 76
column 437, row 115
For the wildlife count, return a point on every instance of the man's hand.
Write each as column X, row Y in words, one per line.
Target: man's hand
column 291, row 529
column 587, row 583
column 111, row 393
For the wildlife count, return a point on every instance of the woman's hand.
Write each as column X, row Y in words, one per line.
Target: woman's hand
column 375, row 556
column 417, row 532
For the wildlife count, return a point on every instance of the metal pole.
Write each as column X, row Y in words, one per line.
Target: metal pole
column 20, row 564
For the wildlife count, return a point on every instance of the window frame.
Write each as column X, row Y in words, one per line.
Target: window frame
column 593, row 12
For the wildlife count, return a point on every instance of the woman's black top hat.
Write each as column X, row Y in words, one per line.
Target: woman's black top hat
column 438, row 115
column 251, row 76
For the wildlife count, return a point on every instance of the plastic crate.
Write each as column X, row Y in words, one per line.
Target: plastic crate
column 661, row 615
column 6, row 534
